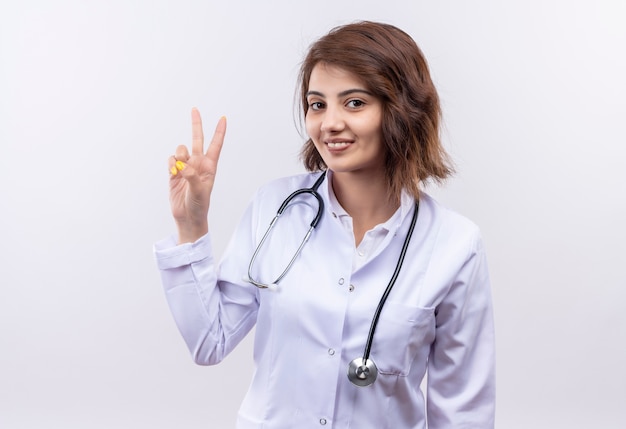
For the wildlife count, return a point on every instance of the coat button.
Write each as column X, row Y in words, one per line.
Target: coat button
column 331, row 352
column 322, row 422
column 351, row 288
column 341, row 280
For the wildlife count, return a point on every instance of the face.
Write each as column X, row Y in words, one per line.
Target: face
column 344, row 121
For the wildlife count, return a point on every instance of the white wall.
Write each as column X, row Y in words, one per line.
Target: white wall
column 94, row 96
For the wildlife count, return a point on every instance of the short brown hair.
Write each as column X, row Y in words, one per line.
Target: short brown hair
column 394, row 69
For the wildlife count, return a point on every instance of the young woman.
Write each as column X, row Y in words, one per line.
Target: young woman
column 389, row 287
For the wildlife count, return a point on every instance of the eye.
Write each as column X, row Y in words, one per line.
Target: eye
column 355, row 104
column 316, row 105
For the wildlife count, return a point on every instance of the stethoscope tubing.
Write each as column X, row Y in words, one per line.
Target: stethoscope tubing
column 392, row 281
column 363, row 371
column 313, row 191
column 318, row 216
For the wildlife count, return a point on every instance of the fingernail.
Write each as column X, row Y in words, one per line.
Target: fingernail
column 174, row 171
column 180, row 165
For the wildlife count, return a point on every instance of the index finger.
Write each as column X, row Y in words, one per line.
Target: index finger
column 197, row 136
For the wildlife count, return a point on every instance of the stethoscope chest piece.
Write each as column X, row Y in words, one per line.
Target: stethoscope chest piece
column 362, row 373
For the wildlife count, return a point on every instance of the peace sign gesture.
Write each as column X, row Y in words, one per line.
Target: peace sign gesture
column 192, row 178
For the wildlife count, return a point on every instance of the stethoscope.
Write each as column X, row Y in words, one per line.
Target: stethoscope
column 362, row 371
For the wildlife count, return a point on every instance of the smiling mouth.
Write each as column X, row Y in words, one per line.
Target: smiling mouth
column 337, row 145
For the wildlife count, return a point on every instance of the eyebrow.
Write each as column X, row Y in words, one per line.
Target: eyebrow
column 342, row 93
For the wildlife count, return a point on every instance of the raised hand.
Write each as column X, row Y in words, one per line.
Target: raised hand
column 192, row 178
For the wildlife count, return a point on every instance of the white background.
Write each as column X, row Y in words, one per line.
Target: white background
column 95, row 95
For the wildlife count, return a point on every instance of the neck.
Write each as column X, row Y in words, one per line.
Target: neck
column 366, row 198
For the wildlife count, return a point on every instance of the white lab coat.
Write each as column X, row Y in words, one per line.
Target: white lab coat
column 437, row 319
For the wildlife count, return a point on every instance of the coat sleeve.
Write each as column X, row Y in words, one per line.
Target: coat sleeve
column 461, row 370
column 213, row 312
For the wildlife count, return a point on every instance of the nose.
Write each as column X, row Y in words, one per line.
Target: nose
column 332, row 121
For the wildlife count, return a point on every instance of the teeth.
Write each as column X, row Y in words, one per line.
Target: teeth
column 337, row 145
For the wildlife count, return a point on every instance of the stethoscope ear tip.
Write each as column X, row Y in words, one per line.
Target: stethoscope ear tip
column 271, row 286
